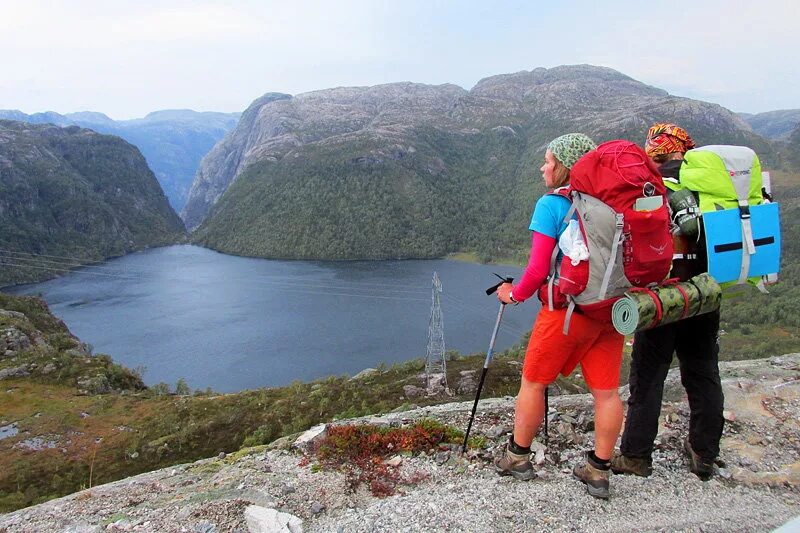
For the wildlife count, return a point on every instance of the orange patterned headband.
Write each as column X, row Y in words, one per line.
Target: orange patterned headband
column 666, row 138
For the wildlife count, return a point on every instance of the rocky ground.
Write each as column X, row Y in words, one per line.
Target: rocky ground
column 757, row 486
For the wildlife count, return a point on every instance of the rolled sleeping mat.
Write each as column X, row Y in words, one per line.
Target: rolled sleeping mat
column 642, row 309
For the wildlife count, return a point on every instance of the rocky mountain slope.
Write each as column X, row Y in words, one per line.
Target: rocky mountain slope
column 74, row 193
column 777, row 125
column 412, row 170
column 172, row 141
column 289, row 488
column 793, row 147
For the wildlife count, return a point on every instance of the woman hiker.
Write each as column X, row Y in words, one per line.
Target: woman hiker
column 595, row 345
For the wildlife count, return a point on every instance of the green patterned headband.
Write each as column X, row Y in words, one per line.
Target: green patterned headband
column 571, row 147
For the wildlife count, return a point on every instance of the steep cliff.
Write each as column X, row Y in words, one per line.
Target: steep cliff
column 75, row 193
column 172, row 141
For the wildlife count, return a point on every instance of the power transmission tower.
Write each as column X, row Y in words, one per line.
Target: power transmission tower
column 435, row 365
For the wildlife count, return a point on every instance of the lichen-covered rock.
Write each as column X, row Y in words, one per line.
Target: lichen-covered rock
column 14, row 372
column 4, row 313
column 13, row 341
column 412, row 391
column 94, row 385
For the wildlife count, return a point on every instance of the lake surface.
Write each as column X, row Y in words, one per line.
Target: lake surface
column 234, row 323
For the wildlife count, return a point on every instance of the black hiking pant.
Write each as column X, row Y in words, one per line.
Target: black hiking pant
column 695, row 340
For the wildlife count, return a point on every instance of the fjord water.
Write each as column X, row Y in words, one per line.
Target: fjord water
column 234, row 323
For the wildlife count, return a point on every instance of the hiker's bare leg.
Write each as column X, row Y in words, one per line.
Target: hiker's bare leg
column 607, row 421
column 529, row 412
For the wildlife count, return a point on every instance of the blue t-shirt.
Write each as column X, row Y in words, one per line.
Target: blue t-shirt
column 548, row 215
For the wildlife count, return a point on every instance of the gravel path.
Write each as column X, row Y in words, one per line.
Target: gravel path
column 758, row 489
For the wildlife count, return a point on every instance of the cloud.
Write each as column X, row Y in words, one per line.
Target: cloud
column 125, row 57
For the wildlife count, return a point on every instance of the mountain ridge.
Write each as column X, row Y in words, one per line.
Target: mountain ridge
column 777, row 125
column 70, row 191
column 437, row 156
column 172, row 140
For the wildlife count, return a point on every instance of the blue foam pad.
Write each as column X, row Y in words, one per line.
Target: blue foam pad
column 723, row 231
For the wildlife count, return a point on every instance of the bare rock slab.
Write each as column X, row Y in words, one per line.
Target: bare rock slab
column 265, row 520
column 315, row 434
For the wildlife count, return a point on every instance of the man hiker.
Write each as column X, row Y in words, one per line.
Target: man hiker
column 695, row 341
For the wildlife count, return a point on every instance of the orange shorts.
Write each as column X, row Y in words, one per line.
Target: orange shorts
column 595, row 345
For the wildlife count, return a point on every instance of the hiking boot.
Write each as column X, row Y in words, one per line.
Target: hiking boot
column 637, row 466
column 513, row 464
column 698, row 466
column 594, row 477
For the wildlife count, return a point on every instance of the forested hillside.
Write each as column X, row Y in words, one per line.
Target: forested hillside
column 75, row 193
column 759, row 325
column 409, row 170
column 172, row 141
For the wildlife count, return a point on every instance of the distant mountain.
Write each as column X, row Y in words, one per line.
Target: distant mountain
column 172, row 141
column 411, row 170
column 77, row 195
column 776, row 125
column 793, row 148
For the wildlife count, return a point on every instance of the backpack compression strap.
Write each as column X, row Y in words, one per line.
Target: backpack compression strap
column 749, row 247
column 552, row 279
column 620, row 222
column 564, row 193
column 571, row 306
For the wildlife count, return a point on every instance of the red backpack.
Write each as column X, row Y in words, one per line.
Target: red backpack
column 624, row 220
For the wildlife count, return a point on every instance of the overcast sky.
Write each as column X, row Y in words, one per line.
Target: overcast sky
column 127, row 58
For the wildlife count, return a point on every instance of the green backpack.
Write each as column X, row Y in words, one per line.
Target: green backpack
column 727, row 179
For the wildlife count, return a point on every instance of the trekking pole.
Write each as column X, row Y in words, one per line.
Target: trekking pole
column 489, row 354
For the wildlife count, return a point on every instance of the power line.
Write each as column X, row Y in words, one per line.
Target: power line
column 482, row 314
column 62, row 270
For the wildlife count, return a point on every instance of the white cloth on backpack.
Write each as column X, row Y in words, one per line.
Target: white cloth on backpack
column 572, row 244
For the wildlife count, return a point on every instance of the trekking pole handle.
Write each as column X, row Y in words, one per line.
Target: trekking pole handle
column 493, row 288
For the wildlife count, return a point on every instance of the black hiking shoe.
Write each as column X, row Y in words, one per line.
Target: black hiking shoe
column 637, row 466
column 699, row 466
column 517, row 465
column 595, row 478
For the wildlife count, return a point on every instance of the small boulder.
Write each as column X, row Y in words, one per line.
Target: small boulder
column 13, row 341
column 264, row 520
column 466, row 384
column 98, row 384
column 394, row 461
column 14, row 372
column 313, row 435
column 412, row 391
column 365, row 373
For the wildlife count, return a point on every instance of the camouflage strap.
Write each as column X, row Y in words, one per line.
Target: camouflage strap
column 642, row 309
